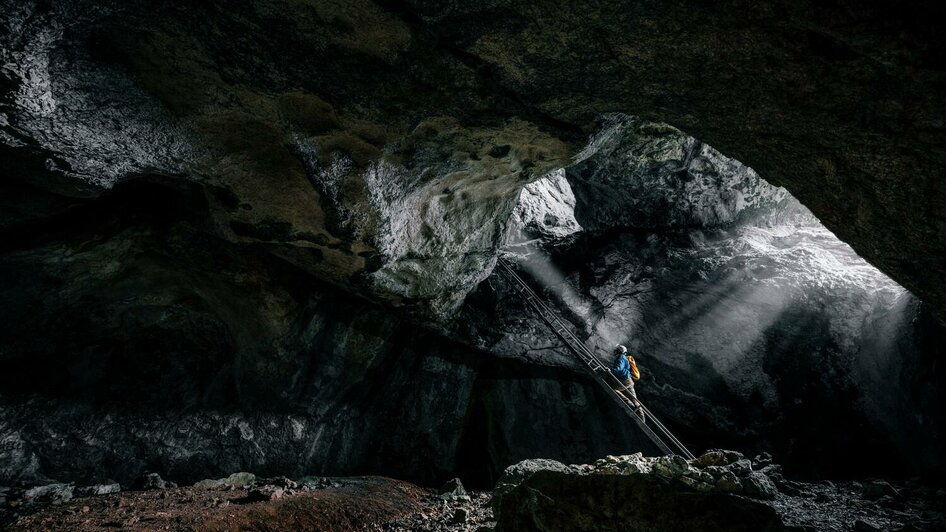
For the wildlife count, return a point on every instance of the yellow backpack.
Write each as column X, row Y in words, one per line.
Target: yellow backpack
column 635, row 373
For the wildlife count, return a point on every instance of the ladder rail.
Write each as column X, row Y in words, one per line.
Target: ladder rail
column 666, row 431
column 591, row 360
column 584, row 353
column 564, row 333
column 533, row 297
column 621, row 402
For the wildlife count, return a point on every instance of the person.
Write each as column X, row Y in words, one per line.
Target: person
column 625, row 372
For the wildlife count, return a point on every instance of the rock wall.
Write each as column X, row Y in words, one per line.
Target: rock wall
column 167, row 345
column 134, row 338
column 138, row 334
column 719, row 490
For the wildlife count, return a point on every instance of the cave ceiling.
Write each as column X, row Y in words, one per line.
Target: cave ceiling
column 315, row 124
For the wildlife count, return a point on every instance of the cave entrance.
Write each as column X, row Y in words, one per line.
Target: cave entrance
column 754, row 323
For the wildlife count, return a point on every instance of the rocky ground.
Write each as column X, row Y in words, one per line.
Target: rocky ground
column 242, row 503
column 720, row 490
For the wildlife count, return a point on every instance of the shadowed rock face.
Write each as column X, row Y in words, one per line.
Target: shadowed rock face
column 373, row 132
column 138, row 332
column 720, row 490
column 166, row 348
column 551, row 501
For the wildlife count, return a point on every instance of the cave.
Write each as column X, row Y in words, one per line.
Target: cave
column 270, row 238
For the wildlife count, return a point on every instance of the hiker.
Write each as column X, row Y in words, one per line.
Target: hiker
column 625, row 372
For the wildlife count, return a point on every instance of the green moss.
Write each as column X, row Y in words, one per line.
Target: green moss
column 370, row 132
column 359, row 25
column 360, row 151
column 307, row 113
column 172, row 65
column 260, row 144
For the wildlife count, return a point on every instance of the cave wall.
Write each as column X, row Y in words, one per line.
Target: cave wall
column 134, row 338
column 136, row 335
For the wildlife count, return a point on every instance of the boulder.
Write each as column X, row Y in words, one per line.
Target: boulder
column 672, row 466
column 701, row 476
column 517, row 473
column 740, row 467
column 453, row 490
column 762, row 460
column 280, row 482
column 712, row 457
column 553, row 501
column 50, row 493
column 759, row 486
column 624, row 464
column 263, row 494
column 716, row 471
column 729, row 482
column 718, row 457
column 209, row 484
column 773, row 471
column 696, row 484
column 98, row 489
column 236, row 481
column 149, row 481
column 240, row 480
column 876, row 489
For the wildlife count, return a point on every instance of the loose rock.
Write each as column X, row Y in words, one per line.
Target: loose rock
column 265, row 493
column 98, row 490
column 757, row 485
column 453, row 490
column 874, row 490
column 51, row 493
column 149, row 481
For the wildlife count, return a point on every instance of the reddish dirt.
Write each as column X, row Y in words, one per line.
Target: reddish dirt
column 359, row 502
